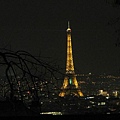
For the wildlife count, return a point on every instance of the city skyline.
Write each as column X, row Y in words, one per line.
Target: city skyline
column 40, row 27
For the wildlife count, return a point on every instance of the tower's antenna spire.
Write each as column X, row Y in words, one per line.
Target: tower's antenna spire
column 68, row 24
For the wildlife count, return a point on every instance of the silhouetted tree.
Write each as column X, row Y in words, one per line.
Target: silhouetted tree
column 22, row 70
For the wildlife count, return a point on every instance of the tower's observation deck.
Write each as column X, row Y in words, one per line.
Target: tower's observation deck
column 70, row 84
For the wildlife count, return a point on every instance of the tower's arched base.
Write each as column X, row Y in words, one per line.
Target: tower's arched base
column 70, row 86
column 68, row 92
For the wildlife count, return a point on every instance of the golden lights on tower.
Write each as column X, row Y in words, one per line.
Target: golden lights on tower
column 70, row 84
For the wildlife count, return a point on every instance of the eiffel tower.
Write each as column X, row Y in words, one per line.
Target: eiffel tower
column 70, row 84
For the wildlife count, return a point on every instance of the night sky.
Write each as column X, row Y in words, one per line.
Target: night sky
column 39, row 26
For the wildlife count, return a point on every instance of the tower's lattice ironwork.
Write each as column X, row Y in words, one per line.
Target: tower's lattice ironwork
column 70, row 84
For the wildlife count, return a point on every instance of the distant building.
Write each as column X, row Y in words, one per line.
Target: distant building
column 103, row 93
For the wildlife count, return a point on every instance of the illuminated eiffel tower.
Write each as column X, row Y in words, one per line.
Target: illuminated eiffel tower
column 70, row 84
